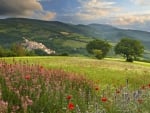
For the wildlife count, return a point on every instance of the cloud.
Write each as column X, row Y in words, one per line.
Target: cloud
column 23, row 8
column 131, row 19
column 95, row 9
column 44, row 15
column 141, row 2
column 19, row 7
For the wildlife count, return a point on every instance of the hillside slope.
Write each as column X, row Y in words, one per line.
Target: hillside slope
column 63, row 37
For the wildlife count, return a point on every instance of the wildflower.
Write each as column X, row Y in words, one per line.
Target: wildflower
column 140, row 101
column 29, row 102
column 117, row 91
column 4, row 106
column 69, row 97
column 15, row 108
column 143, row 87
column 103, row 99
column 96, row 88
column 70, row 106
column 149, row 85
column 41, row 68
column 27, row 77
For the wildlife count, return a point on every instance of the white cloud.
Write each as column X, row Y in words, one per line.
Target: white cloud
column 141, row 2
column 45, row 15
column 24, row 8
column 127, row 19
column 95, row 9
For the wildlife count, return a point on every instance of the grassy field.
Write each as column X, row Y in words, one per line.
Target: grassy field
column 104, row 72
column 73, row 85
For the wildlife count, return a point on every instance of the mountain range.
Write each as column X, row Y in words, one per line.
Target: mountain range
column 64, row 37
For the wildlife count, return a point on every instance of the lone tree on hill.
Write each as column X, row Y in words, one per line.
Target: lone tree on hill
column 129, row 48
column 99, row 48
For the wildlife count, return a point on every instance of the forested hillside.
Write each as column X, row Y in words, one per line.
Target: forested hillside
column 63, row 37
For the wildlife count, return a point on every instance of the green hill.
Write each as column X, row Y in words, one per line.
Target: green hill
column 63, row 37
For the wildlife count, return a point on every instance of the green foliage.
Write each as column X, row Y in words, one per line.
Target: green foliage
column 18, row 49
column 30, row 53
column 129, row 48
column 99, row 48
column 64, row 54
column 6, row 52
column 15, row 50
column 61, row 36
column 40, row 52
column 1, row 52
column 98, row 53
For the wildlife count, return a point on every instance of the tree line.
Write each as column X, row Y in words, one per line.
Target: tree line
column 18, row 50
column 130, row 49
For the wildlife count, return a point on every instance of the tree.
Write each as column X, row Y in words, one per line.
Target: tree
column 2, row 51
column 99, row 48
column 98, row 53
column 18, row 50
column 129, row 48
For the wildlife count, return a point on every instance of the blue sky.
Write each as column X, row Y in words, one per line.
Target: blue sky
column 132, row 14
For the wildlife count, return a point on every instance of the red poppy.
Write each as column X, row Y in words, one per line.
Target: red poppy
column 149, row 85
column 103, row 99
column 27, row 77
column 70, row 106
column 96, row 88
column 69, row 97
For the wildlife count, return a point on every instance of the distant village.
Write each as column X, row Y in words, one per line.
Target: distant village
column 31, row 45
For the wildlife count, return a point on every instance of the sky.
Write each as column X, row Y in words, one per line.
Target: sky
column 127, row 14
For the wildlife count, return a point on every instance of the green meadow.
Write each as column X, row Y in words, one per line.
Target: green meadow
column 56, row 84
column 103, row 72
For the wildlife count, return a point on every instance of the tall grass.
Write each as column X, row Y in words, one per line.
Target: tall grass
column 31, row 88
column 101, row 71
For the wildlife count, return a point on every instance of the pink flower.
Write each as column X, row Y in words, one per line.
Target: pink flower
column 27, row 77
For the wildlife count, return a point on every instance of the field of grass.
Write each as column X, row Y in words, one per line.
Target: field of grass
column 107, row 71
column 75, row 44
column 73, row 85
